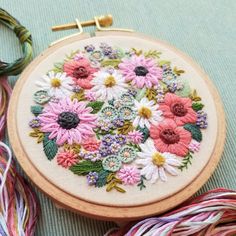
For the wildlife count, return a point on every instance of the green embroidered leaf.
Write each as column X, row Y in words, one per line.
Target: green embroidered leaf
column 58, row 67
column 96, row 106
column 197, row 106
column 71, row 56
column 194, row 96
column 141, row 184
column 178, row 72
column 137, row 52
column 163, row 62
column 186, row 162
column 145, row 132
column 84, row 167
column 74, row 147
column 120, row 52
column 119, row 189
column 151, row 94
column 102, row 178
column 140, row 94
column 195, row 131
column 36, row 133
column 152, row 54
column 79, row 96
column 113, row 181
column 36, row 110
column 111, row 62
column 126, row 128
column 50, row 147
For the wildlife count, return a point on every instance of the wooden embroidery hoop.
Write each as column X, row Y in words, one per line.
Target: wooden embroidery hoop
column 100, row 211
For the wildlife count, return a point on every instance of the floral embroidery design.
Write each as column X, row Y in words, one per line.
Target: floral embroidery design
column 117, row 117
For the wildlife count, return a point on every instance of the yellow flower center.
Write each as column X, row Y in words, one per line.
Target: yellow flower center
column 110, row 81
column 158, row 159
column 55, row 82
column 145, row 112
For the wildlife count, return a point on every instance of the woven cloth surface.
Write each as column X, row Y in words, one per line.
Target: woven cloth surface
column 204, row 29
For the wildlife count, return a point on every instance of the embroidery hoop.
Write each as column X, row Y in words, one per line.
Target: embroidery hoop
column 103, row 211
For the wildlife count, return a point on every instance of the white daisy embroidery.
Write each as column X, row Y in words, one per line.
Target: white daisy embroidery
column 108, row 85
column 155, row 164
column 56, row 84
column 147, row 113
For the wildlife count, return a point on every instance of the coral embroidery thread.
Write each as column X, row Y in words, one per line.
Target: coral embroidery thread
column 117, row 117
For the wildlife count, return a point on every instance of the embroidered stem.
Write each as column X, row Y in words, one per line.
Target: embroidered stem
column 186, row 162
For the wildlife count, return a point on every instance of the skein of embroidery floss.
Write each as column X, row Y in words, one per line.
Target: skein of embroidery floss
column 212, row 214
column 18, row 204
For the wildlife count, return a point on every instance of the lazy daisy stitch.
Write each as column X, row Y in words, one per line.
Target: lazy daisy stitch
column 117, row 117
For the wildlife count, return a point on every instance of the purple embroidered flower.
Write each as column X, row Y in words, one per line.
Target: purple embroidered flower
column 89, row 48
column 118, row 122
column 105, row 125
column 92, row 178
column 107, row 140
column 115, row 148
column 160, row 94
column 106, row 49
column 202, row 119
column 104, row 151
column 172, row 86
column 54, row 99
column 132, row 92
column 120, row 139
column 92, row 156
column 113, row 54
column 110, row 70
column 76, row 89
column 35, row 123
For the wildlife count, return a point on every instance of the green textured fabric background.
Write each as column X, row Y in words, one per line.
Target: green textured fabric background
column 204, row 29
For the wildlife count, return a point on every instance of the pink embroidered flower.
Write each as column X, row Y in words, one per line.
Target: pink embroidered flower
column 68, row 121
column 91, row 144
column 81, row 72
column 141, row 71
column 135, row 136
column 179, row 109
column 129, row 175
column 168, row 137
column 67, row 159
column 194, row 146
column 90, row 95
